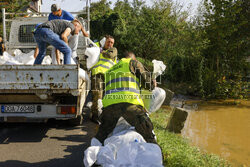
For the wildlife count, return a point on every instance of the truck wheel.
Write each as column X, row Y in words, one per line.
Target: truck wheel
column 76, row 121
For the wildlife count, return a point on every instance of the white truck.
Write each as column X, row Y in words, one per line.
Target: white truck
column 31, row 93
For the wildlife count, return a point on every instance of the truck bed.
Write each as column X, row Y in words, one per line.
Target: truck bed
column 40, row 79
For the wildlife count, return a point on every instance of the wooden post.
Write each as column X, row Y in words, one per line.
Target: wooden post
column 177, row 119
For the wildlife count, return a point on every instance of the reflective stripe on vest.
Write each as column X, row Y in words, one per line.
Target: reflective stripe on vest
column 110, row 61
column 122, row 90
column 121, row 85
column 100, row 65
column 103, row 64
column 122, row 79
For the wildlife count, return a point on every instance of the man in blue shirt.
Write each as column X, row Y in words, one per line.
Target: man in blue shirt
column 58, row 13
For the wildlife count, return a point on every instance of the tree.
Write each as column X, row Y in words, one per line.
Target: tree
column 13, row 6
column 226, row 25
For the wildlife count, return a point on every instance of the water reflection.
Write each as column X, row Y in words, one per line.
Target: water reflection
column 222, row 129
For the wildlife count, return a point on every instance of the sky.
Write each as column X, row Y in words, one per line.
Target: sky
column 76, row 5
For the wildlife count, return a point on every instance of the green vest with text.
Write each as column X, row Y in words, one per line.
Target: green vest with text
column 121, row 86
column 103, row 64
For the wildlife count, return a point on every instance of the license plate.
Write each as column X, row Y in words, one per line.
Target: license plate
column 17, row 108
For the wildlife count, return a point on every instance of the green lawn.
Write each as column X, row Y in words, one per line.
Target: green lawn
column 177, row 151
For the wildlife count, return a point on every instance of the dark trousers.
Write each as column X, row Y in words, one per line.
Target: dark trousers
column 97, row 87
column 135, row 115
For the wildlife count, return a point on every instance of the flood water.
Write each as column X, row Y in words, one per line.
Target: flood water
column 222, row 129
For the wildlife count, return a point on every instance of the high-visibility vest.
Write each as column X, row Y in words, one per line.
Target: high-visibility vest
column 121, row 86
column 103, row 65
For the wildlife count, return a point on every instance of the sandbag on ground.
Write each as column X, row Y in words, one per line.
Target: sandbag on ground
column 123, row 148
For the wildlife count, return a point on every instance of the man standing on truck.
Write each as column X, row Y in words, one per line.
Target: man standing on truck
column 122, row 98
column 108, row 58
column 58, row 13
column 55, row 33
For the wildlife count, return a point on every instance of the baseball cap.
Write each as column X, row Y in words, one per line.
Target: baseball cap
column 55, row 7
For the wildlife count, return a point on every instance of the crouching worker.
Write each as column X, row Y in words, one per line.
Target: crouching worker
column 55, row 33
column 122, row 98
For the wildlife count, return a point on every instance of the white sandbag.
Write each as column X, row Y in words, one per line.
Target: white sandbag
column 102, row 42
column 93, row 54
column 95, row 142
column 24, row 58
column 47, row 60
column 126, row 148
column 106, row 156
column 90, row 155
column 31, row 61
column 84, row 75
column 2, row 60
column 158, row 97
column 7, row 59
column 108, row 153
column 121, row 125
column 159, row 67
column 17, row 52
column 139, row 155
column 99, row 106
column 11, row 63
column 123, row 138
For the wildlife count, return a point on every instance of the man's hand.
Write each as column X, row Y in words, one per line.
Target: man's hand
column 84, row 32
column 82, row 29
column 155, row 83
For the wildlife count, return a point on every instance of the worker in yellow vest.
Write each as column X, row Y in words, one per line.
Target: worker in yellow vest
column 108, row 57
column 122, row 98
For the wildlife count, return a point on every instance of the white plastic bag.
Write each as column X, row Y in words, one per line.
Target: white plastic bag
column 159, row 67
column 47, row 60
column 24, row 58
column 83, row 74
column 99, row 106
column 126, row 148
column 8, row 59
column 102, row 42
column 122, row 125
column 139, row 155
column 93, row 54
column 158, row 97
column 90, row 155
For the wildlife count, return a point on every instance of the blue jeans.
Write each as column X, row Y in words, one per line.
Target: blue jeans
column 44, row 36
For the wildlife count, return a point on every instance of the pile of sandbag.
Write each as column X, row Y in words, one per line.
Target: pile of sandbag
column 92, row 54
column 125, row 147
column 21, row 58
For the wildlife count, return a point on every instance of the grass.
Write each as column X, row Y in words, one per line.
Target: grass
column 177, row 151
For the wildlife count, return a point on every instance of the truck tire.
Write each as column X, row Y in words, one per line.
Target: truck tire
column 76, row 121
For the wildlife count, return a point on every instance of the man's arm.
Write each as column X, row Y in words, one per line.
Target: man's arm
column 58, row 56
column 36, row 52
column 145, row 77
column 84, row 32
column 65, row 35
column 3, row 47
column 82, row 29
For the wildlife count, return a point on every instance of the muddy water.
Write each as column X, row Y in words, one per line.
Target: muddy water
column 222, row 129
